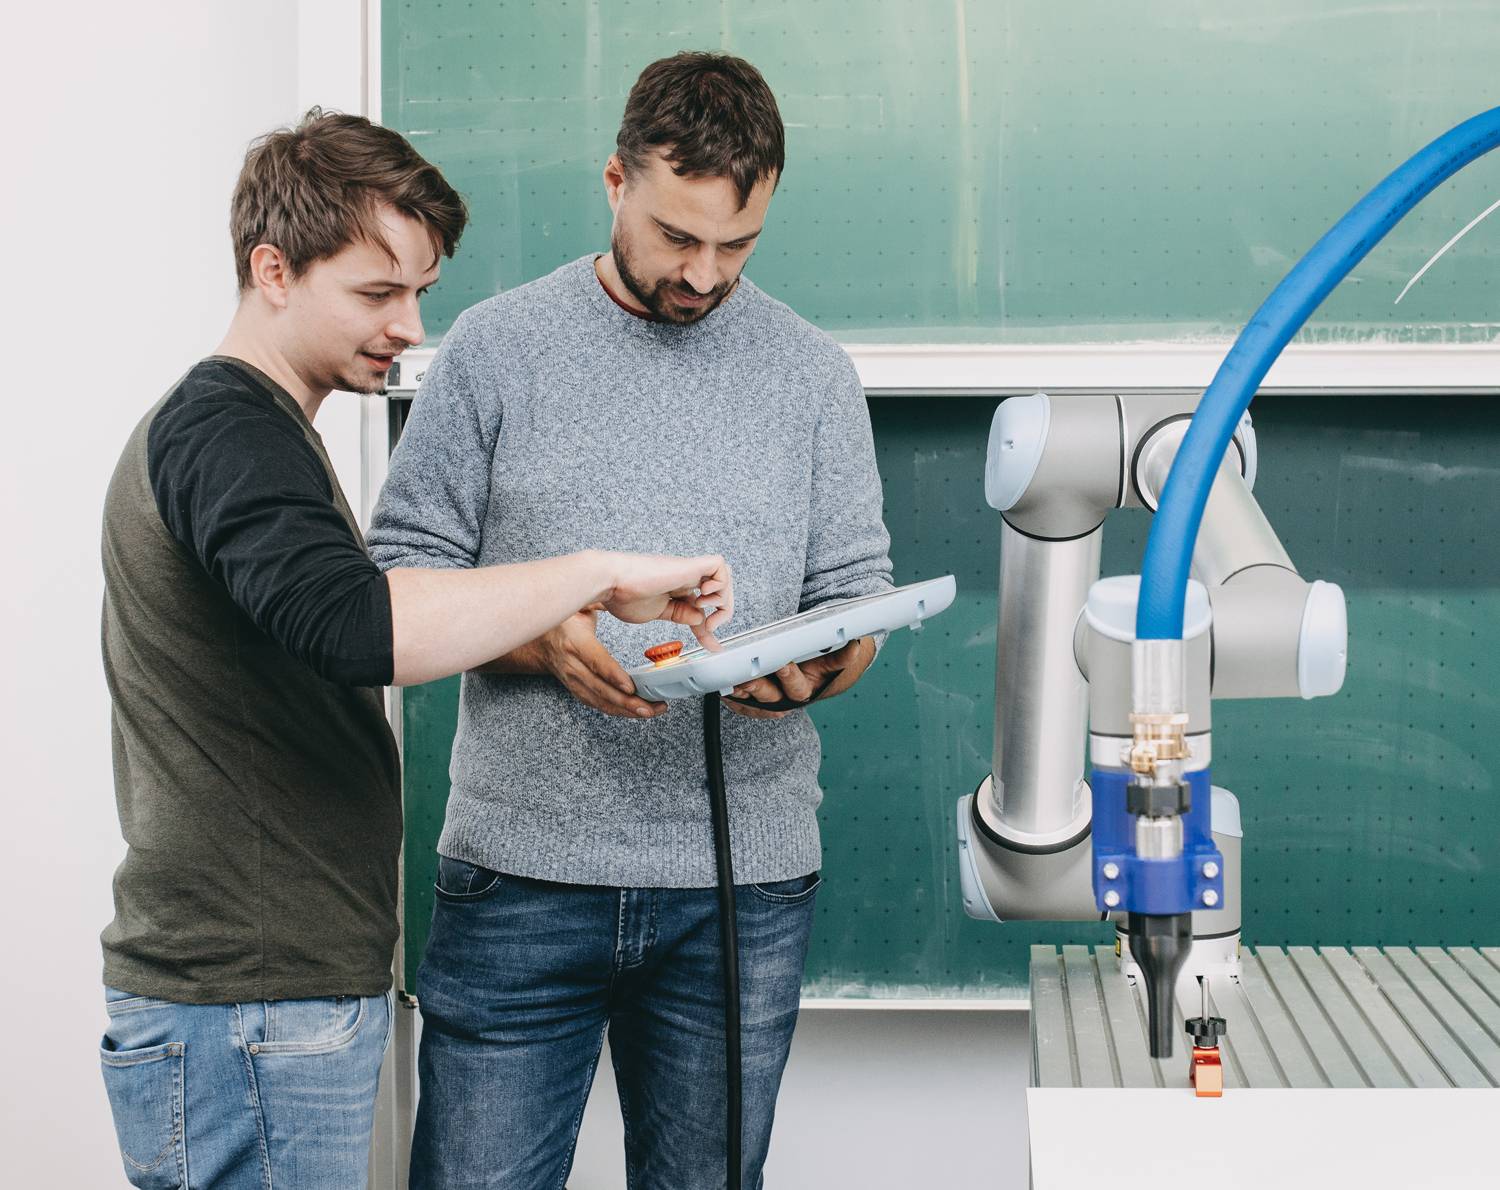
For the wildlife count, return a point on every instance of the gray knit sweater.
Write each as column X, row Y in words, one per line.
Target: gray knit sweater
column 552, row 420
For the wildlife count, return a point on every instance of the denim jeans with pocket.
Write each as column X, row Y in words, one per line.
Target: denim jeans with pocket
column 276, row 1093
column 521, row 980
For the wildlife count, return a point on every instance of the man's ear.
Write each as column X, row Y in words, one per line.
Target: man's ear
column 614, row 181
column 270, row 274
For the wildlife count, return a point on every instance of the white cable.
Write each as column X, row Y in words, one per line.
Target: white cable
column 1445, row 247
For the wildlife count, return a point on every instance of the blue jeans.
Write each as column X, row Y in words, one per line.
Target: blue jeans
column 244, row 1095
column 522, row 978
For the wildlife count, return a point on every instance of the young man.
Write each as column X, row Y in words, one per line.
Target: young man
column 247, row 634
column 648, row 394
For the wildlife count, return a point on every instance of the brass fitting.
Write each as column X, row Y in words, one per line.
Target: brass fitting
column 1158, row 739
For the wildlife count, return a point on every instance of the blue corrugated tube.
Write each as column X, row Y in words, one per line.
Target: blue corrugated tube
column 1169, row 549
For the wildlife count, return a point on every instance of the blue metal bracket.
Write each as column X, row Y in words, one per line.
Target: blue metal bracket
column 1154, row 886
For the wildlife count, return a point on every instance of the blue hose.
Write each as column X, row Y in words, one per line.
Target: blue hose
column 1169, row 549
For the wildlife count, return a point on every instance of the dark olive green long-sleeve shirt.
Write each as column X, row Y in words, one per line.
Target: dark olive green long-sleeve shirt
column 246, row 637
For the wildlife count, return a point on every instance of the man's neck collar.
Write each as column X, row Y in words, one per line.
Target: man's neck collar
column 600, row 268
column 243, row 343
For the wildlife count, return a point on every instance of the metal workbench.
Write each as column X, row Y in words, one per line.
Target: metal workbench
column 1371, row 1066
column 1302, row 1017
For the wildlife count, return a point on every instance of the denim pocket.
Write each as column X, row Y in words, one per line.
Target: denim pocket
column 796, row 891
column 314, row 1026
column 145, row 1097
column 459, row 880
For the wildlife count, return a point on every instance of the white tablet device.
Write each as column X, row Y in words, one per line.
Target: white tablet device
column 696, row 672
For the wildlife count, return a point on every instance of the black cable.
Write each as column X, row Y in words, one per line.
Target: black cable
column 728, row 936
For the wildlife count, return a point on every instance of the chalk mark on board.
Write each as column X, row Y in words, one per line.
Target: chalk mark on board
column 1467, row 229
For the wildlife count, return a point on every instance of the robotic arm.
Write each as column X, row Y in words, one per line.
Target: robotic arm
column 1246, row 625
column 1159, row 851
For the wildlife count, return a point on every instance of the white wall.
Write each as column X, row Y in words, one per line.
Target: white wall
column 126, row 127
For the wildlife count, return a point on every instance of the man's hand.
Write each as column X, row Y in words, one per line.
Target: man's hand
column 801, row 682
column 572, row 654
column 698, row 592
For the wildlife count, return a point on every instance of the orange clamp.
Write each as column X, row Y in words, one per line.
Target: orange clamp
column 1207, row 1072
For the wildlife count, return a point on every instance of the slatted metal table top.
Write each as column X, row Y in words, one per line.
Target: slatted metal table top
column 1305, row 1016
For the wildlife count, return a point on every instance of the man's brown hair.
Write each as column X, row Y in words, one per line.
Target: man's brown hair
column 312, row 190
column 713, row 116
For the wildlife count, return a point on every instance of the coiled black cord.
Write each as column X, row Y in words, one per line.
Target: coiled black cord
column 728, row 936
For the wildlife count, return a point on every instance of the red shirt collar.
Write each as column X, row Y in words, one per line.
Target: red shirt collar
column 642, row 314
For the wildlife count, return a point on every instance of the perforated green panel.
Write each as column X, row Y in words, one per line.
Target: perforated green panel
column 1371, row 817
column 1003, row 171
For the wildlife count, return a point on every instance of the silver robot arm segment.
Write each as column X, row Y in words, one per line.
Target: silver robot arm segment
column 1056, row 467
column 1275, row 635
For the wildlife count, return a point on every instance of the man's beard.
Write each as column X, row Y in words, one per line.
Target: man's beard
column 658, row 298
column 359, row 380
column 348, row 382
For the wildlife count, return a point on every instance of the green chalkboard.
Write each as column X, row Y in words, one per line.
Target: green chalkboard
column 1000, row 171
column 1370, row 817
column 1024, row 171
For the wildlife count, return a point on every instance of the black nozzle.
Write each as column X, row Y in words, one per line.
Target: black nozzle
column 1160, row 946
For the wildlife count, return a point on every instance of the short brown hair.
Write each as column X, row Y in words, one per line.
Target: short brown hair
column 714, row 116
column 312, row 190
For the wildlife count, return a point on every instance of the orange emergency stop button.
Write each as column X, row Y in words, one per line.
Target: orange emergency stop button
column 660, row 655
